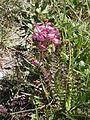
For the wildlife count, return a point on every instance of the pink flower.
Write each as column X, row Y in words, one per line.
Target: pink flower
column 51, row 36
column 35, row 36
column 42, row 47
column 36, row 62
column 48, row 24
column 55, row 30
column 46, row 33
column 56, row 40
column 39, row 27
column 41, row 37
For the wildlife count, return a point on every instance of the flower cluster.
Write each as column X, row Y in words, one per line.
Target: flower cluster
column 45, row 35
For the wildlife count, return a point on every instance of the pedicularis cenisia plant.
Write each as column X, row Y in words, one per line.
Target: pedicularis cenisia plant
column 44, row 36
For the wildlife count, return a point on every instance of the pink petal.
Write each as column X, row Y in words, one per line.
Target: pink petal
column 39, row 27
column 35, row 36
column 44, row 33
column 49, row 29
column 42, row 47
column 51, row 36
column 56, row 40
column 55, row 30
column 36, row 62
column 48, row 24
column 41, row 38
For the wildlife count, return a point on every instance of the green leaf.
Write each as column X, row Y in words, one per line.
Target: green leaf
column 88, row 4
column 68, row 103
